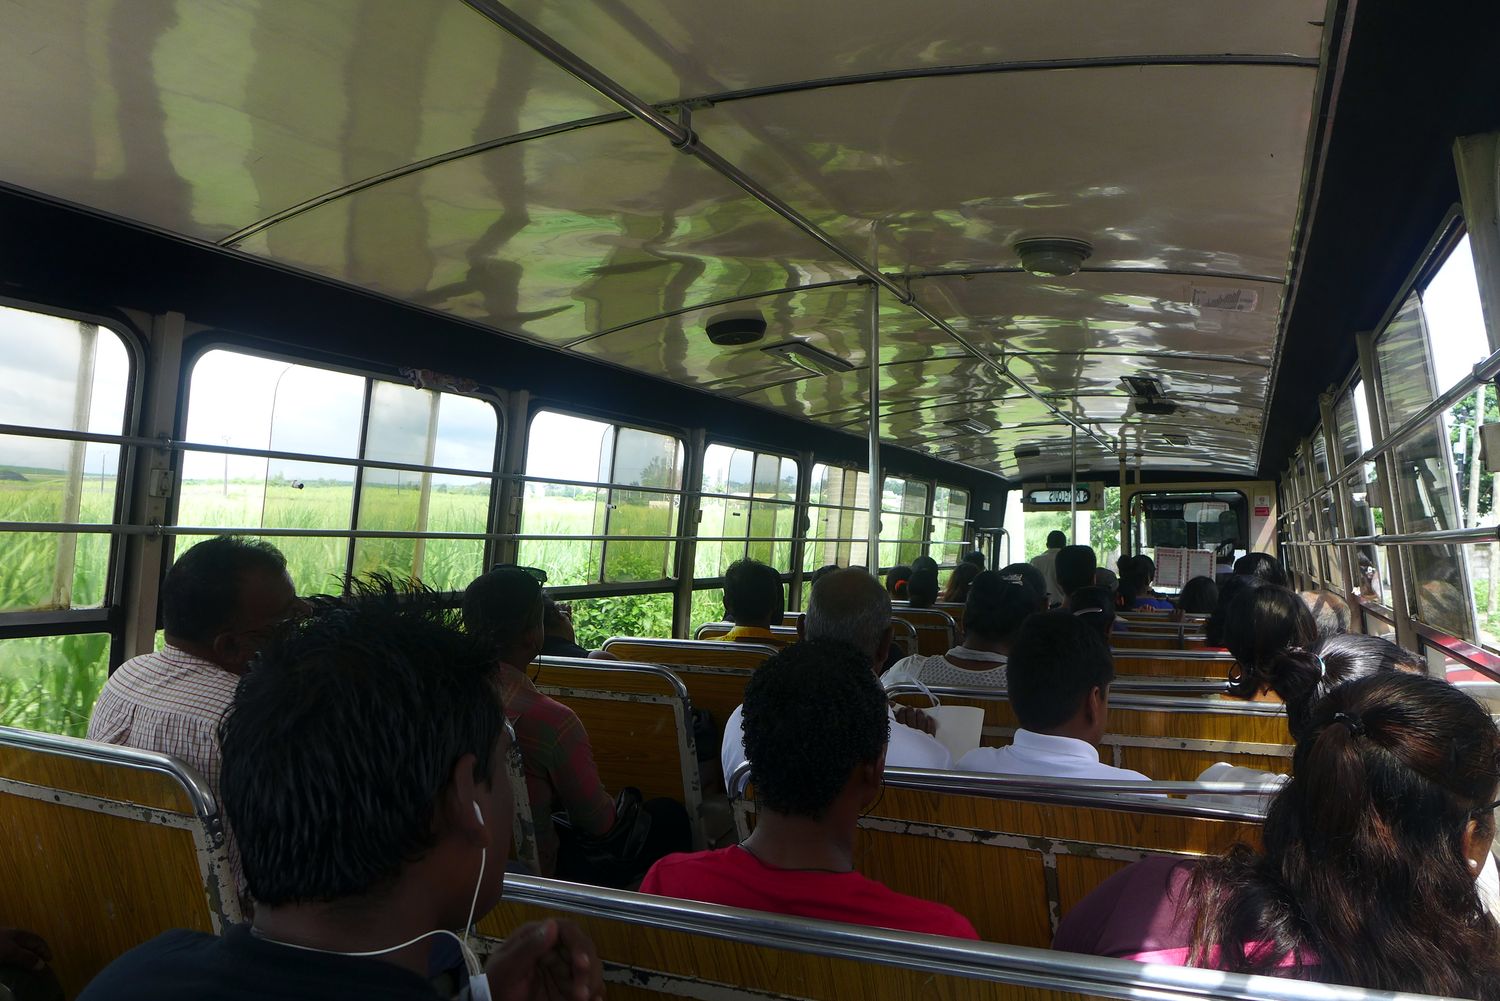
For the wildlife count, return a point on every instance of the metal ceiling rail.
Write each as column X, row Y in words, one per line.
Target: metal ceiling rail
column 684, row 139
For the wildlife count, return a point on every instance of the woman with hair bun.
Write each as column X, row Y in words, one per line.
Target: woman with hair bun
column 1371, row 853
column 1260, row 625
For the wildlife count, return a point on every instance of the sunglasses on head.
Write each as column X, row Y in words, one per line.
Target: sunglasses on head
column 535, row 573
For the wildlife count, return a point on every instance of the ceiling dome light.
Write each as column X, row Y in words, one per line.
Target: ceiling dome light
column 736, row 328
column 1053, row 256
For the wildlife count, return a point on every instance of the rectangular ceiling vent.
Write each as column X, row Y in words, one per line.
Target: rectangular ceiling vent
column 1174, row 438
column 1028, row 452
column 1141, row 386
column 969, row 425
column 1156, row 408
column 807, row 357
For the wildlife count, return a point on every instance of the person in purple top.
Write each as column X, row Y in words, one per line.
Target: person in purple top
column 1371, row 852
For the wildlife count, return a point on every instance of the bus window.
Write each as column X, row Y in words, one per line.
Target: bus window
column 323, row 416
column 950, row 524
column 838, row 530
column 903, row 508
column 61, row 375
column 1217, row 520
column 745, row 495
column 590, row 478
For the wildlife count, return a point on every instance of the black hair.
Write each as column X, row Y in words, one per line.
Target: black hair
column 924, row 563
column 1262, row 565
column 1199, row 596
column 1328, row 611
column 1031, row 575
column 753, row 594
column 201, row 593
column 998, row 603
column 553, row 620
column 1055, row 661
column 959, row 581
column 1301, row 677
column 1363, row 879
column 922, row 589
column 896, row 578
column 1056, row 539
column 822, row 571
column 975, row 557
column 813, row 713
column 343, row 736
column 1094, row 606
column 500, row 607
column 1261, row 624
column 1213, row 629
column 1075, row 568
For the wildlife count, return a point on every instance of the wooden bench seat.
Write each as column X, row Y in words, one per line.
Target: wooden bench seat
column 639, row 722
column 958, row 837
column 904, row 634
column 1135, row 662
column 1168, row 738
column 936, row 630
column 715, row 673
column 106, row 847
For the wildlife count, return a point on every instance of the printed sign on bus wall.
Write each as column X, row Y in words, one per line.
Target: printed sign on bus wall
column 1262, row 505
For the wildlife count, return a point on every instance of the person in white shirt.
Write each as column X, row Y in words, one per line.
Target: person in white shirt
column 999, row 601
column 1059, row 675
column 1047, row 564
column 853, row 608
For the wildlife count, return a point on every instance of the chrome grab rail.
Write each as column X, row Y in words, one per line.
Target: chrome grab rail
column 985, row 961
column 1131, row 700
column 679, row 690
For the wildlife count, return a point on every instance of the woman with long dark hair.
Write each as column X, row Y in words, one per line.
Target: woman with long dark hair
column 957, row 590
column 1370, row 857
column 1263, row 623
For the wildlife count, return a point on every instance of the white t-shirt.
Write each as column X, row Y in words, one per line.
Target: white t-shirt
column 1047, row 564
column 1045, row 755
column 937, row 670
column 909, row 747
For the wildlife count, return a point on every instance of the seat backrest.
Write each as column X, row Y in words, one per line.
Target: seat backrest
column 655, row 947
column 1212, row 665
column 714, row 630
column 1169, row 738
column 523, row 827
column 105, row 847
column 956, row 613
column 698, row 653
column 955, row 837
column 639, row 722
column 936, row 631
column 904, row 634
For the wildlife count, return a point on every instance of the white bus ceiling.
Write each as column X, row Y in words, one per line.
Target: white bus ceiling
column 419, row 150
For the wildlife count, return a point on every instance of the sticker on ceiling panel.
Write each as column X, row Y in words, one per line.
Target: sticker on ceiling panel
column 1238, row 300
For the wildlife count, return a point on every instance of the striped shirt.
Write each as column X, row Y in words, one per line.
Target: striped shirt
column 170, row 702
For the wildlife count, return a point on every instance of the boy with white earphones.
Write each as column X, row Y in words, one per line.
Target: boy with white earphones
column 364, row 777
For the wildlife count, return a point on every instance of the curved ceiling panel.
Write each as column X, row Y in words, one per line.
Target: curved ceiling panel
column 205, row 117
column 1138, row 161
column 555, row 238
column 832, row 319
column 666, row 50
column 1118, row 311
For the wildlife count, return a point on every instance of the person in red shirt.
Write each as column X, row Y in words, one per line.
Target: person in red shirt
column 816, row 727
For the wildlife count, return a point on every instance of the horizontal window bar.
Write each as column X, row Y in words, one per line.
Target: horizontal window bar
column 1484, row 533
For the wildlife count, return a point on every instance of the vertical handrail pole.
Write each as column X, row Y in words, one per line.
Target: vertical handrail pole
column 872, row 557
column 1073, row 490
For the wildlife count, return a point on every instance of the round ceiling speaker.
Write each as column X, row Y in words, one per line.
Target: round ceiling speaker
column 743, row 328
column 1053, row 256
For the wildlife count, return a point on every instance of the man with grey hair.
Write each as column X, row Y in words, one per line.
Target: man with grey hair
column 853, row 608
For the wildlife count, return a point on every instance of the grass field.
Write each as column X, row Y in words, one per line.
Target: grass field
column 50, row 683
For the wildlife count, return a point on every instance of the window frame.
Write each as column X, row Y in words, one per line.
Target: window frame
column 708, row 583
column 201, row 344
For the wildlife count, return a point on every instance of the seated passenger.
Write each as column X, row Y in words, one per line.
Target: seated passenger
column 959, row 582
column 896, row 581
column 1060, row 670
column 1213, row 628
column 220, row 601
column 998, row 604
column 922, row 589
column 559, row 639
column 1096, row 607
column 821, row 572
column 1328, row 611
column 1198, row 596
column 364, row 775
column 1263, row 567
column 1261, row 624
column 503, row 610
column 1075, row 569
column 1135, row 591
column 1367, row 876
column 815, row 730
column 850, row 607
column 754, row 601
